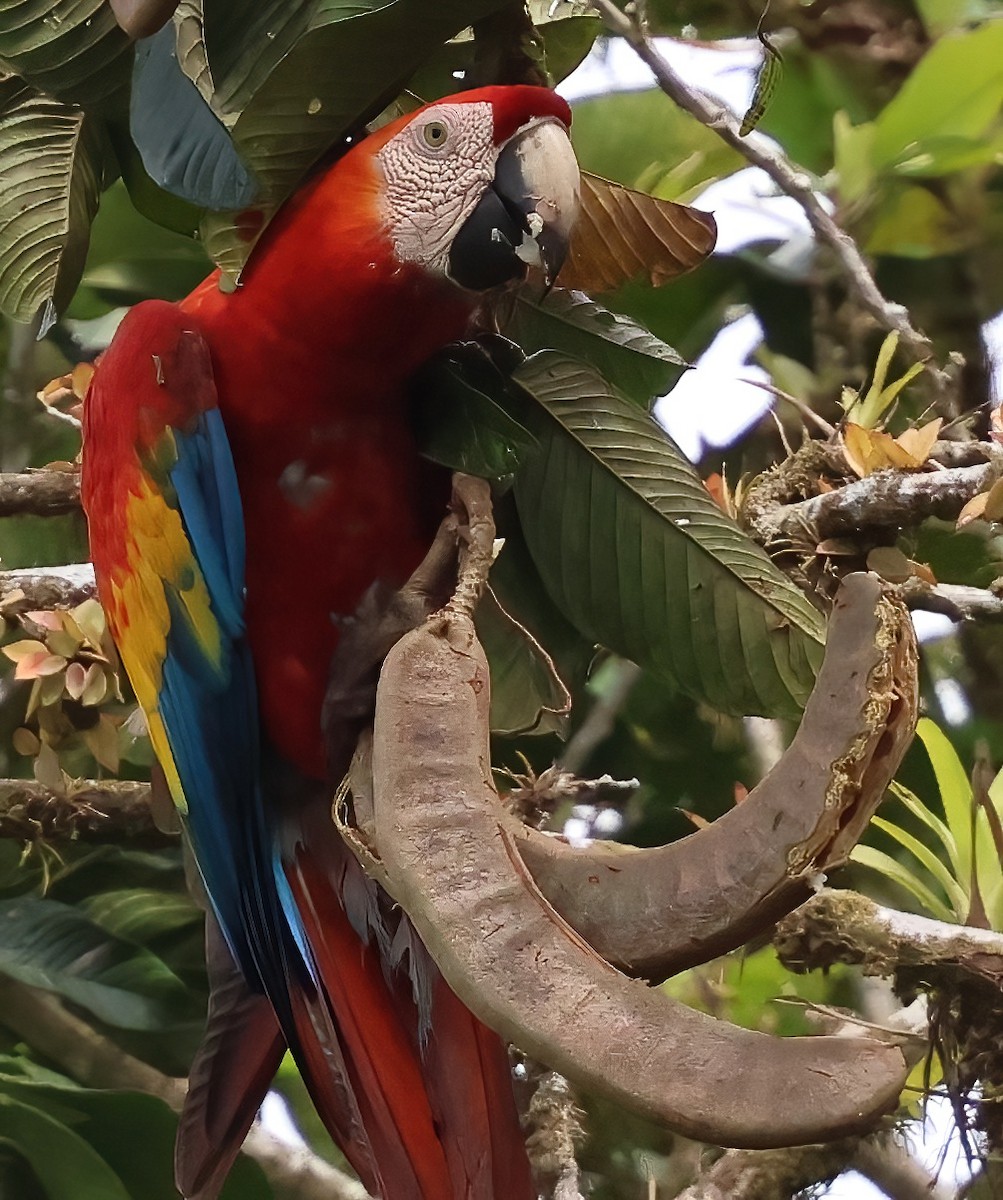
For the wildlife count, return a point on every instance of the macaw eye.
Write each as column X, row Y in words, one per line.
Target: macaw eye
column 435, row 134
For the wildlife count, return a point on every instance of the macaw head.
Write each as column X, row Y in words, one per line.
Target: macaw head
column 481, row 187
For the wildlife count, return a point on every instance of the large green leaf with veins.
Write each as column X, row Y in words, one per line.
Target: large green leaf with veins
column 73, row 49
column 53, row 172
column 634, row 551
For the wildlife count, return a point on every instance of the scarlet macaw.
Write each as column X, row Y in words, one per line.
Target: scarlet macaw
column 276, row 416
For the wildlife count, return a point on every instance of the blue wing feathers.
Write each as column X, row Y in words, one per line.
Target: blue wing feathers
column 210, row 712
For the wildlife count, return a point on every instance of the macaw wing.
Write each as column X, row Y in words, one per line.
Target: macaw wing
column 167, row 538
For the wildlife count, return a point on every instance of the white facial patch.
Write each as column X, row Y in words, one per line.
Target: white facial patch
column 437, row 169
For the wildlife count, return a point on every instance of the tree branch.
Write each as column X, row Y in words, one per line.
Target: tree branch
column 770, row 1174
column 843, row 926
column 95, row 1061
column 885, row 500
column 780, row 1174
column 788, row 178
column 90, row 811
column 46, row 587
column 954, row 600
column 890, row 1166
column 39, row 493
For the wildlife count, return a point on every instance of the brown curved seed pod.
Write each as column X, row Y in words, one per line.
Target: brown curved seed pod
column 525, row 972
column 654, row 912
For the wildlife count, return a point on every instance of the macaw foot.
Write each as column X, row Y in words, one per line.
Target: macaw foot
column 385, row 614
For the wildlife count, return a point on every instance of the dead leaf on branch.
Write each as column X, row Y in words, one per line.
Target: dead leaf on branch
column 986, row 506
column 870, row 450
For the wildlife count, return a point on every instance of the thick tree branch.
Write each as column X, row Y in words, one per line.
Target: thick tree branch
column 770, row 1174
column 95, row 1061
column 885, row 500
column 46, row 587
column 781, row 1174
column 39, row 493
column 788, row 178
column 843, row 926
column 90, row 811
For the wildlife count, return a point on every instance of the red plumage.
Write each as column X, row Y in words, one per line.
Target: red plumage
column 310, row 358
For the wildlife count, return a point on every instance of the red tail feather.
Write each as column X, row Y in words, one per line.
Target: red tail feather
column 436, row 1103
column 233, row 1069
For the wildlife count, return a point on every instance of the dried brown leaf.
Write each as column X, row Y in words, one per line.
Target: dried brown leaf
column 974, row 510
column 622, row 234
column 890, row 563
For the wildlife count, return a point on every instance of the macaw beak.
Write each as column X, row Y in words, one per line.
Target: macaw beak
column 524, row 219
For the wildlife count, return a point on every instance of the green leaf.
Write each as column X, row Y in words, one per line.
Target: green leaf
column 131, row 259
column 613, row 138
column 919, row 810
column 635, row 552
column 941, row 16
column 568, row 29
column 954, row 91
column 458, row 423
column 643, row 366
column 304, row 107
column 132, row 1133
column 141, row 914
column 892, row 869
column 185, row 148
column 956, row 894
column 955, row 794
column 249, row 38
column 66, row 1166
column 73, row 49
column 49, row 945
column 51, row 182
column 526, row 694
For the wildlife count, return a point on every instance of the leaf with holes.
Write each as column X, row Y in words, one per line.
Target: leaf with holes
column 50, row 185
column 634, row 550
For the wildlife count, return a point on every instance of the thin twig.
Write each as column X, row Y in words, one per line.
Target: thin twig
column 806, row 412
column 954, row 600
column 788, row 178
column 601, row 718
column 294, row 1172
